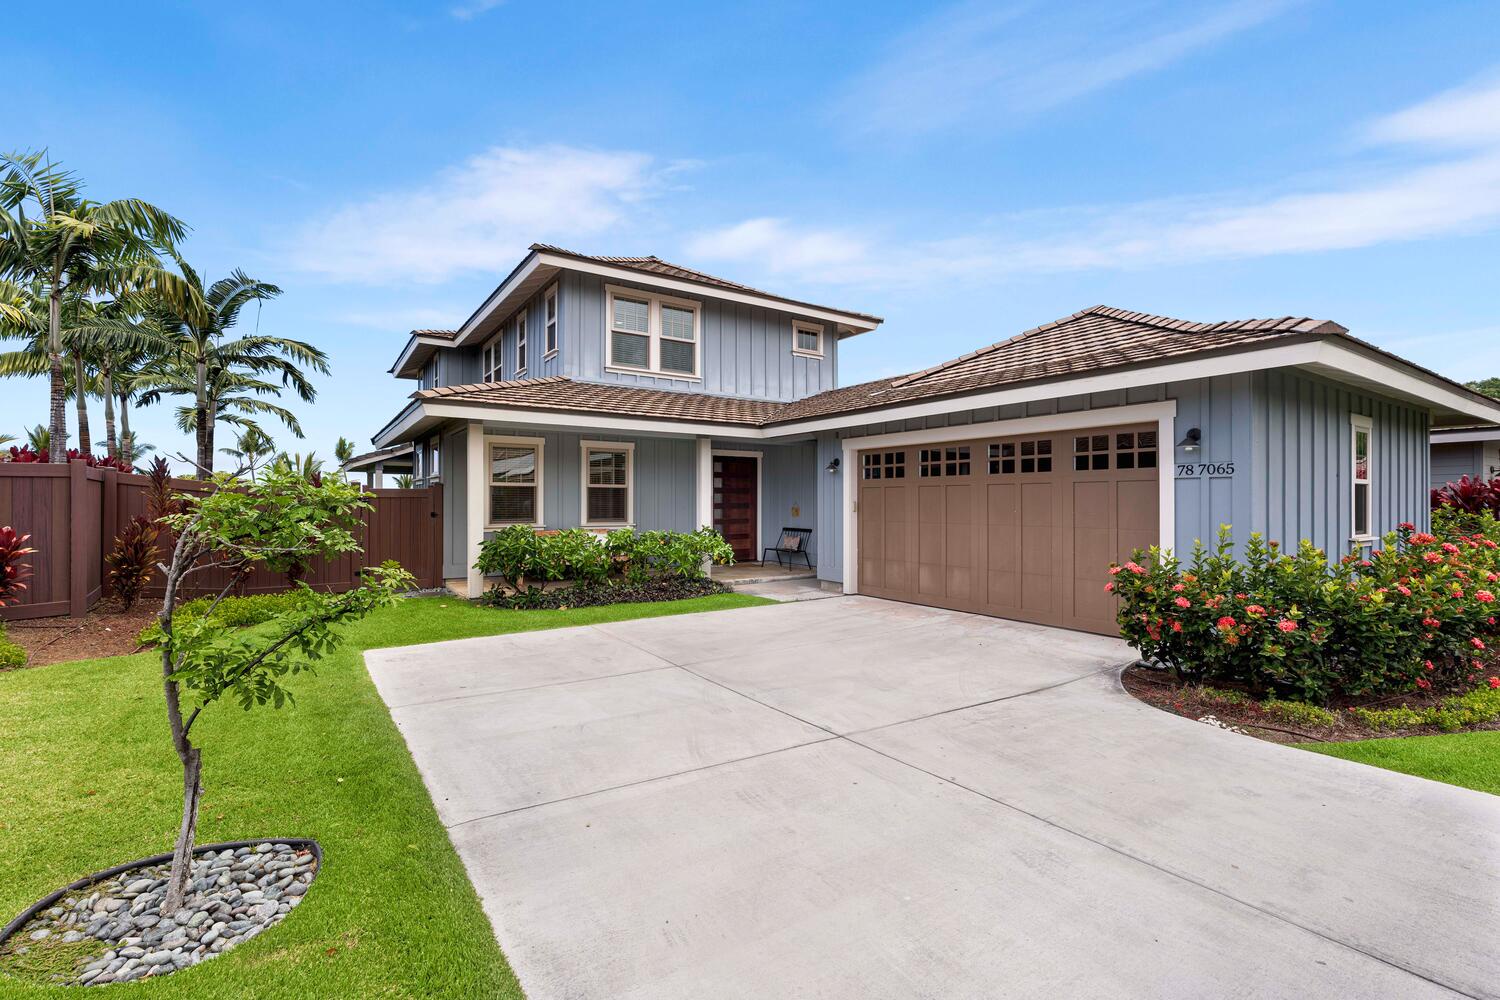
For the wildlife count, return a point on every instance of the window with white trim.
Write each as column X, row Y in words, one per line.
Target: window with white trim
column 807, row 339
column 652, row 333
column 521, row 344
column 1361, row 461
column 515, row 481
column 489, row 360
column 549, row 314
column 607, row 489
column 434, row 464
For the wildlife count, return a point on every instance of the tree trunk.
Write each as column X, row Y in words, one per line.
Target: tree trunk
column 111, row 445
column 57, row 417
column 85, row 442
column 127, row 440
column 191, row 756
column 205, row 439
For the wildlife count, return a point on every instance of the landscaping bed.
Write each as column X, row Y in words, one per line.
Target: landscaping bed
column 104, row 631
column 1417, row 713
column 598, row 595
column 110, row 929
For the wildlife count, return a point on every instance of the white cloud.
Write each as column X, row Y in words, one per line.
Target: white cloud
column 478, row 216
column 1455, row 193
column 977, row 62
column 469, row 11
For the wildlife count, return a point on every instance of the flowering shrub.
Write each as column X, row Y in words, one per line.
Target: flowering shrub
column 521, row 556
column 25, row 454
column 1419, row 613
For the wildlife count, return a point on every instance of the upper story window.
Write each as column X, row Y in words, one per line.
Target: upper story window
column 1361, row 450
column 521, row 344
column 652, row 333
column 549, row 325
column 807, row 339
column 489, row 359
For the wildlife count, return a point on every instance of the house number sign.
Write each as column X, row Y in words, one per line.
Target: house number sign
column 1205, row 470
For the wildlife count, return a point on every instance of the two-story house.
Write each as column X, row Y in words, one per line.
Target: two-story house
column 627, row 391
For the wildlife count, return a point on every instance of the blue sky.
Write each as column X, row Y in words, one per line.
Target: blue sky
column 966, row 171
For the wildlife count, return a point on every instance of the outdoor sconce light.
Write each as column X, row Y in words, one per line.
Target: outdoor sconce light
column 1191, row 441
column 832, row 466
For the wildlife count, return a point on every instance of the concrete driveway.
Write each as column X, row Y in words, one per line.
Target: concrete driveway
column 855, row 798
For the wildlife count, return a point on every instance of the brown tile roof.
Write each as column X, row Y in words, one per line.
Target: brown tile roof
column 1092, row 340
column 559, row 393
column 655, row 265
column 435, row 334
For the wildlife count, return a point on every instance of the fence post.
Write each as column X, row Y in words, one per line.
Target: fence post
column 109, row 527
column 78, row 561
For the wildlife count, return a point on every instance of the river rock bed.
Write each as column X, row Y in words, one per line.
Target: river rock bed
column 234, row 894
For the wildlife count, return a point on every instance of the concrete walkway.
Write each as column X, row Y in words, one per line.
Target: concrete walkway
column 855, row 798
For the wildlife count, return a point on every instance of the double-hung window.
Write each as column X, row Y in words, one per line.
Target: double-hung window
column 1361, row 458
column 489, row 360
column 607, row 492
column 653, row 333
column 515, row 481
column 549, row 315
column 521, row 344
column 807, row 339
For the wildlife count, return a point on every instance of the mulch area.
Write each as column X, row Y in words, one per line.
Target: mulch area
column 105, row 631
column 1156, row 688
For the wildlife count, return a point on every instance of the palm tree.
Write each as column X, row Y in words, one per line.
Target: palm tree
column 70, row 245
column 226, row 378
column 405, row 481
column 308, row 466
column 344, row 450
column 39, row 439
column 251, row 446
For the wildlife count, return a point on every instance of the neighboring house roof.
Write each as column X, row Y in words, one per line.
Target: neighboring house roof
column 560, row 393
column 378, row 455
column 1459, row 435
column 655, row 265
column 1092, row 341
column 435, row 334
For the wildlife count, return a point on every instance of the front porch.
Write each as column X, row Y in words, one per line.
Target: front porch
column 742, row 573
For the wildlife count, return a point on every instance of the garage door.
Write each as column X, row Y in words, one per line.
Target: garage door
column 1019, row 527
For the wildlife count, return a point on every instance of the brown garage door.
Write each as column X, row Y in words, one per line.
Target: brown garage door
column 1019, row 527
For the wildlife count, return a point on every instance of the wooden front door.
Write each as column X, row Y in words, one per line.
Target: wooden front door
column 735, row 508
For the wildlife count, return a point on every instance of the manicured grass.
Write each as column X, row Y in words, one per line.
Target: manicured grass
column 88, row 780
column 1468, row 759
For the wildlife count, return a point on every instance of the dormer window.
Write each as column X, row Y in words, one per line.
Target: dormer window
column 807, row 339
column 652, row 334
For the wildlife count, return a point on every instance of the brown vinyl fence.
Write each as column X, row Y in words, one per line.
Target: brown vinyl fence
column 73, row 515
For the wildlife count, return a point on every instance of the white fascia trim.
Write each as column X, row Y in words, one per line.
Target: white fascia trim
column 549, row 418
column 496, row 297
column 858, row 323
column 1464, row 437
column 411, row 345
column 1348, row 359
column 1164, row 414
column 584, row 447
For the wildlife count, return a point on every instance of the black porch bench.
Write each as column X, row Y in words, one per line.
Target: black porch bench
column 792, row 543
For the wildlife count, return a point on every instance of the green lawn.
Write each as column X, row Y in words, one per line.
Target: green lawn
column 1468, row 759
column 88, row 780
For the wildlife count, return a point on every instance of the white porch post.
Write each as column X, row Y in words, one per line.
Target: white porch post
column 704, row 507
column 476, row 478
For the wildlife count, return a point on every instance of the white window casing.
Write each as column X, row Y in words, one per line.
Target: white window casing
column 489, row 359
column 607, row 484
column 1362, row 477
column 514, row 480
column 549, row 321
column 521, row 344
column 804, row 347
column 653, row 334
column 435, row 465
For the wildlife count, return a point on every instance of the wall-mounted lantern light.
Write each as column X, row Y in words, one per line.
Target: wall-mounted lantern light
column 832, row 466
column 1192, row 440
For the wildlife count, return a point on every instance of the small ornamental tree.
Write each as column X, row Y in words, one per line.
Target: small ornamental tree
column 236, row 526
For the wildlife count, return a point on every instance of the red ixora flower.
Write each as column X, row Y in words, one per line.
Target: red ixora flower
column 1431, row 557
column 1109, row 587
column 1407, row 526
column 1427, row 664
column 1477, row 642
column 1405, row 591
column 1177, row 626
column 1431, row 622
column 1135, row 568
column 1287, row 625
column 1450, row 547
column 1423, row 538
column 1183, row 602
column 1424, row 683
column 1226, row 623
column 1483, row 596
column 1115, row 570
column 1178, row 588
column 1495, row 682
column 1254, row 609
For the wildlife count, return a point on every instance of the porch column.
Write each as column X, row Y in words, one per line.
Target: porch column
column 704, row 506
column 476, row 477
column 378, row 477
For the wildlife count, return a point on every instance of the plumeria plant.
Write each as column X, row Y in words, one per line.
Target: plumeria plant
column 1417, row 613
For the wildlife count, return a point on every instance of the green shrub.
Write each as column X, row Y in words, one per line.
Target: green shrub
column 11, row 655
column 1416, row 613
column 232, row 612
column 521, row 556
column 1296, row 713
column 1456, row 712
